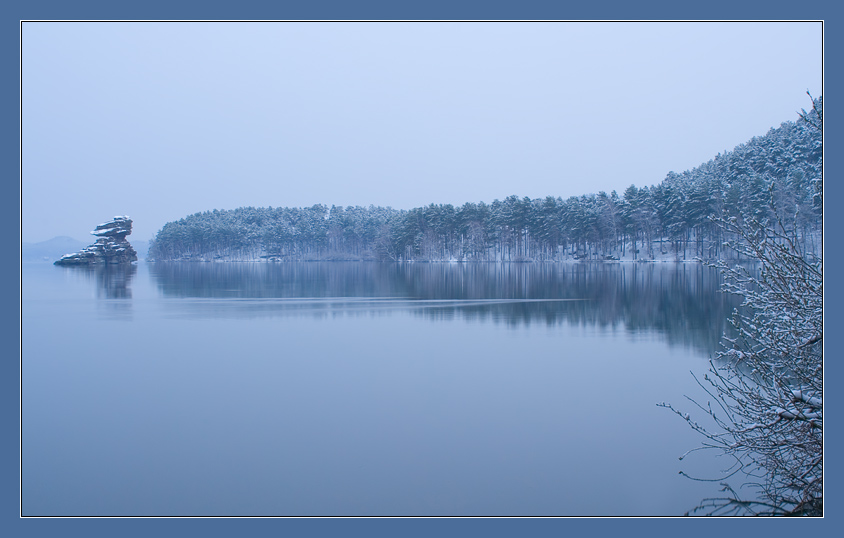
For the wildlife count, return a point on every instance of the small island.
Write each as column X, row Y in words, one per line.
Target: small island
column 111, row 246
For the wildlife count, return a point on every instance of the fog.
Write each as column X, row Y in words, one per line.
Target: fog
column 161, row 120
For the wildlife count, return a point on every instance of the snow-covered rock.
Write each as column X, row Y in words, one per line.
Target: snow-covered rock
column 111, row 245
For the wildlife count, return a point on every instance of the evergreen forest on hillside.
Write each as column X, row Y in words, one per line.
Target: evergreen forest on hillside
column 774, row 175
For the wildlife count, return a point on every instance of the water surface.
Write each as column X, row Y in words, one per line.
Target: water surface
column 344, row 389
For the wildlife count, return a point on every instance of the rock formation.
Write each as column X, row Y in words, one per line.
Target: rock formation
column 111, row 245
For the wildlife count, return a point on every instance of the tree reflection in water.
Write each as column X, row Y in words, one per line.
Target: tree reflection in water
column 680, row 301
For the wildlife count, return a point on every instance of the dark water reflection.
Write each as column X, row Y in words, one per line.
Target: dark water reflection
column 680, row 301
column 112, row 281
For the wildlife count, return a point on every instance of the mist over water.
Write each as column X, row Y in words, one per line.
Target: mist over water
column 339, row 389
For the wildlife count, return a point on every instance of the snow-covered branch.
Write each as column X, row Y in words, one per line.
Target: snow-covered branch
column 768, row 381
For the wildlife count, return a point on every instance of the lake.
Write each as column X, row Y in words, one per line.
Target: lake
column 365, row 389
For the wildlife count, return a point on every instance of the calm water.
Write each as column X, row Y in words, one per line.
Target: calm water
column 333, row 389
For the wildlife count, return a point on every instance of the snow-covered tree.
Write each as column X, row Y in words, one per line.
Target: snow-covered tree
column 766, row 386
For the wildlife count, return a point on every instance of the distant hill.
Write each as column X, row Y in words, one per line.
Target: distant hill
column 142, row 247
column 53, row 249
column 50, row 250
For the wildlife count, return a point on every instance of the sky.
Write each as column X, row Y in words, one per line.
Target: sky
column 160, row 120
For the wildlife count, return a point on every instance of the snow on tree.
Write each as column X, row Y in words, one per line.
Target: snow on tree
column 766, row 387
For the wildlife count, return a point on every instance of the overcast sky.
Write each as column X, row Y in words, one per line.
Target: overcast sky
column 161, row 120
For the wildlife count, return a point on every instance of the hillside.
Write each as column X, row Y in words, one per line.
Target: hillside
column 780, row 170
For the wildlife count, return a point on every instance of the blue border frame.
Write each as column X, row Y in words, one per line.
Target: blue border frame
column 13, row 12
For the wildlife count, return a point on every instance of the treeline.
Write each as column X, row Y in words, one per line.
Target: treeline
column 778, row 172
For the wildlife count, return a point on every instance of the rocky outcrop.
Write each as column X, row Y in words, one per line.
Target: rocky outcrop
column 111, row 246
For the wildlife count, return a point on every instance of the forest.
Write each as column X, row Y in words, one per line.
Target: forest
column 778, row 173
